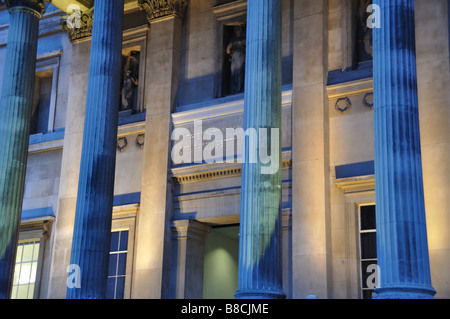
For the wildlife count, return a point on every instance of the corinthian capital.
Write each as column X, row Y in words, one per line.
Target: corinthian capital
column 157, row 9
column 78, row 24
column 35, row 5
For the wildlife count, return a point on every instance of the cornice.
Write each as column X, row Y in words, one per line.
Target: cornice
column 214, row 171
column 356, row 184
column 161, row 9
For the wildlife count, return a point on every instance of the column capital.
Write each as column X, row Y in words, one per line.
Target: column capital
column 34, row 5
column 78, row 24
column 160, row 9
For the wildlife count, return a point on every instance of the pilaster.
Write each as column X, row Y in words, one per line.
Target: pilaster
column 311, row 245
column 152, row 268
column 188, row 256
column 15, row 109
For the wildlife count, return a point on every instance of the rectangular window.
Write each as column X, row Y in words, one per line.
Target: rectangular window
column 26, row 269
column 368, row 248
column 117, row 265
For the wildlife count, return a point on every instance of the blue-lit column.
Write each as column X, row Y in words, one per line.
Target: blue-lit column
column 402, row 248
column 15, row 113
column 259, row 246
column 92, row 230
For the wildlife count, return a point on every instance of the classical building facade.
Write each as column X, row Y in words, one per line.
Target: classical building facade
column 224, row 149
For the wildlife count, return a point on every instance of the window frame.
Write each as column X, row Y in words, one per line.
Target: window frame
column 27, row 236
column 46, row 62
column 360, row 259
column 132, row 38
column 124, row 218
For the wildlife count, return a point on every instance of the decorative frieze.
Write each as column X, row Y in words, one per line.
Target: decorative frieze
column 160, row 9
column 217, row 174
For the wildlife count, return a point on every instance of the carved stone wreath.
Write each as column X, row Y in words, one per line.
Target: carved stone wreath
column 368, row 100
column 343, row 105
column 140, row 140
column 122, row 144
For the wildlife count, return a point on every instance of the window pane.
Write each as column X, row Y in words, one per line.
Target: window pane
column 368, row 220
column 368, row 245
column 19, row 253
column 123, row 240
column 22, row 292
column 27, row 252
column 30, row 291
column 16, row 274
column 122, row 264
column 110, row 288
column 114, row 241
column 14, row 292
column 33, row 272
column 112, row 265
column 120, row 287
column 25, row 272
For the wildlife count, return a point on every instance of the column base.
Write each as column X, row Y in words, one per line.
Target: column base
column 404, row 293
column 259, row 294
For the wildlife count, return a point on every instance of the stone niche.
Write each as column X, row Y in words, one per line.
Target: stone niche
column 230, row 61
column 359, row 39
column 129, row 85
column 132, row 79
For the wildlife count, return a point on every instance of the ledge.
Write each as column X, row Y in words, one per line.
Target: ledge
column 339, row 76
column 46, row 142
column 222, row 107
column 356, row 184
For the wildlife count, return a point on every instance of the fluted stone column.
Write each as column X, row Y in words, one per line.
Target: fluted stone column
column 402, row 248
column 260, row 252
column 15, row 114
column 92, row 230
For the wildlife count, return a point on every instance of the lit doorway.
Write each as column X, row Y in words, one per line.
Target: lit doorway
column 220, row 274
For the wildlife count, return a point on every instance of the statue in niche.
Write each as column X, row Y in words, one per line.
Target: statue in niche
column 364, row 32
column 130, row 83
column 236, row 51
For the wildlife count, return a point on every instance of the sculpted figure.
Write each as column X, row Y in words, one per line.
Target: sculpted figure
column 130, row 82
column 236, row 51
column 365, row 33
